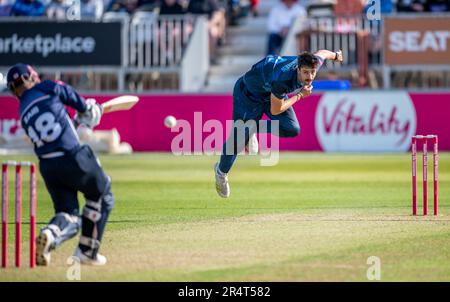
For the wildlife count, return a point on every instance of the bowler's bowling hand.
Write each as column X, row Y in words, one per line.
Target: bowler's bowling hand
column 339, row 57
column 306, row 90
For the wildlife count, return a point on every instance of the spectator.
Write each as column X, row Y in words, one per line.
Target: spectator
column 28, row 8
column 91, row 9
column 415, row 6
column 438, row 6
column 184, row 3
column 217, row 21
column 128, row 6
column 280, row 19
column 254, row 7
column 349, row 7
column 171, row 7
column 57, row 10
column 5, row 7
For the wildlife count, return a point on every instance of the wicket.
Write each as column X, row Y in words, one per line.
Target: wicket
column 424, row 140
column 18, row 213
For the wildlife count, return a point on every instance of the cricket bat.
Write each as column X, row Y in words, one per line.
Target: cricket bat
column 124, row 102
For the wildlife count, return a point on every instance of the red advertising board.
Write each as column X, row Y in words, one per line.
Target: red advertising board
column 336, row 121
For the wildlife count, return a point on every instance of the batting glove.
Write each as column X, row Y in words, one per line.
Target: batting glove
column 92, row 116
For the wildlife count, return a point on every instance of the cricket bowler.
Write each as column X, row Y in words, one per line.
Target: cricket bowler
column 265, row 89
column 66, row 166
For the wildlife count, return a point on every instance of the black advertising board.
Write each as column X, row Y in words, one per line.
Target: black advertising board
column 61, row 43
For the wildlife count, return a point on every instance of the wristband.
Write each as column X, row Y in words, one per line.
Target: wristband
column 337, row 56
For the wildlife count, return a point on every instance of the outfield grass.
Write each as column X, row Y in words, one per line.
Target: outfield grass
column 313, row 217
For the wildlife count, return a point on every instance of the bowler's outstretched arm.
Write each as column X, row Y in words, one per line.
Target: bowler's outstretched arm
column 330, row 55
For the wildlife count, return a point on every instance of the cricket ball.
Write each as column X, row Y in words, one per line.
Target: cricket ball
column 170, row 121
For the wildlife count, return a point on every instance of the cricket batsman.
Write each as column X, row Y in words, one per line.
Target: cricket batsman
column 66, row 166
column 272, row 86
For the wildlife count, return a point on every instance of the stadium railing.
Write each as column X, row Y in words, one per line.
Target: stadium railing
column 362, row 44
column 334, row 32
column 358, row 38
column 156, row 55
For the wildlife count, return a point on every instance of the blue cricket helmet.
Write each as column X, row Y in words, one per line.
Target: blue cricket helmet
column 18, row 74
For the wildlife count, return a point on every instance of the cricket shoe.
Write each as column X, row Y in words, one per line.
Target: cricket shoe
column 222, row 186
column 99, row 260
column 253, row 145
column 44, row 245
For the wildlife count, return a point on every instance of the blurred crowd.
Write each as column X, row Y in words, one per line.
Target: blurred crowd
column 219, row 12
column 60, row 9
column 283, row 14
column 387, row 6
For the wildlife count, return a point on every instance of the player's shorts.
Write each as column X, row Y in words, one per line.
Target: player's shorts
column 76, row 171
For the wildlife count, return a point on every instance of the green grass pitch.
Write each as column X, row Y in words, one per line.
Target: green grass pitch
column 312, row 217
